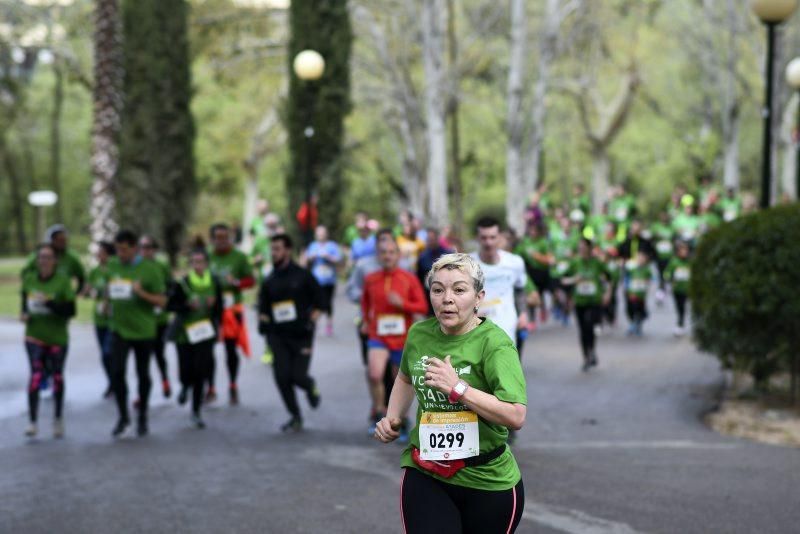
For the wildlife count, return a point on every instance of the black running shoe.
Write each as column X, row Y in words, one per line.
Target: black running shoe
column 141, row 427
column 183, row 394
column 295, row 424
column 120, row 427
column 314, row 397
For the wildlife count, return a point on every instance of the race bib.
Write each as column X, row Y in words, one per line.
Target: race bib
column 682, row 274
column 638, row 284
column 490, row 308
column 631, row 264
column 621, row 213
column 325, row 272
column 120, row 289
column 586, row 289
column 284, row 311
column 36, row 304
column 562, row 266
column 664, row 247
column 200, row 331
column 391, row 325
column 688, row 235
column 448, row 435
column 228, row 299
column 729, row 215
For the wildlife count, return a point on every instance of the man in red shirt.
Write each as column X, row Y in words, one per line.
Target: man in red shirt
column 391, row 299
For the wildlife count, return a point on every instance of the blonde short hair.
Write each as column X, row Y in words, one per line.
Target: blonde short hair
column 461, row 262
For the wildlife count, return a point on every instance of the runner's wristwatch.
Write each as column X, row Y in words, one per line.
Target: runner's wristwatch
column 457, row 392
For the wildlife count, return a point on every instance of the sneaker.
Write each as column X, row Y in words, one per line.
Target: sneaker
column 542, row 316
column 593, row 359
column 197, row 421
column 120, row 427
column 587, row 364
column 267, row 358
column 183, row 395
column 165, row 387
column 31, row 430
column 58, row 428
column 631, row 330
column 314, row 397
column 295, row 424
column 141, row 427
column 108, row 393
column 211, row 395
column 233, row 395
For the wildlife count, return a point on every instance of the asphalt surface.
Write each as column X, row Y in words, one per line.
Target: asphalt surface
column 621, row 449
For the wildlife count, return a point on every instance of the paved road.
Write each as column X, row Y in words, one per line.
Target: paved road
column 618, row 450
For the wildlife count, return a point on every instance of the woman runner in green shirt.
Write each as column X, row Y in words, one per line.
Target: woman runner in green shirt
column 96, row 289
column 460, row 475
column 48, row 302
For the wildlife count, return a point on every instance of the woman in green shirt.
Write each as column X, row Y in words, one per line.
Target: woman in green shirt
column 679, row 272
column 460, row 475
column 197, row 302
column 48, row 301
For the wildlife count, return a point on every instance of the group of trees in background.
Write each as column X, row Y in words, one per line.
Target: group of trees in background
column 448, row 108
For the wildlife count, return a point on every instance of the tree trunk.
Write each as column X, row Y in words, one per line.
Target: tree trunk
column 547, row 53
column 789, row 144
column 17, row 200
column 55, row 138
column 433, row 12
column 730, row 112
column 601, row 174
column 515, row 191
column 107, row 97
column 453, row 111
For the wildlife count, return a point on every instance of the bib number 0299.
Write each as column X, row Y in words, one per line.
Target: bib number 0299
column 446, row 440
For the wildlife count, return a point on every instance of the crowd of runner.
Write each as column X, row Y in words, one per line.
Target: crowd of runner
column 411, row 288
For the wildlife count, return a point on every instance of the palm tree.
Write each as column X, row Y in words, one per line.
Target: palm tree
column 107, row 96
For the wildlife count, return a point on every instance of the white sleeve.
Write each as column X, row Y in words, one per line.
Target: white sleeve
column 520, row 275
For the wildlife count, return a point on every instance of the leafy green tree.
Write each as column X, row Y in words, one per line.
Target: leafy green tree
column 324, row 26
column 156, row 186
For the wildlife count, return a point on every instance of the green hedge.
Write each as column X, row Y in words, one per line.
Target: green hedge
column 745, row 292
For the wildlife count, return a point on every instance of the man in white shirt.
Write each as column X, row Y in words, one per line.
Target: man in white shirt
column 505, row 279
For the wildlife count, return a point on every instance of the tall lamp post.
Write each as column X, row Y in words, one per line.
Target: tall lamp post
column 40, row 200
column 793, row 79
column 309, row 66
column 771, row 13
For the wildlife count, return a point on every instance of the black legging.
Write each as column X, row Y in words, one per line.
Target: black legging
column 636, row 309
column 119, row 359
column 158, row 350
column 47, row 359
column 103, row 334
column 680, row 306
column 430, row 506
column 610, row 310
column 662, row 266
column 292, row 360
column 587, row 316
column 194, row 362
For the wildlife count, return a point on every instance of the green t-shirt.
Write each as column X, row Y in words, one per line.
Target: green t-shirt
column 234, row 263
column 487, row 360
column 621, row 208
column 529, row 246
column 588, row 289
column 98, row 280
column 686, row 226
column 638, row 280
column 662, row 237
column 679, row 272
column 69, row 264
column 261, row 255
column 350, row 234
column 133, row 318
column 44, row 325
column 199, row 290
column 730, row 208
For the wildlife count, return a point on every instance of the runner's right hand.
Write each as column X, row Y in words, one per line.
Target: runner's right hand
column 388, row 429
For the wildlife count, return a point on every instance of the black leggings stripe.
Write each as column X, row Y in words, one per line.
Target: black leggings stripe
column 430, row 506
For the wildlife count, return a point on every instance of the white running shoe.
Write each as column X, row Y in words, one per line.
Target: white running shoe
column 31, row 430
column 58, row 428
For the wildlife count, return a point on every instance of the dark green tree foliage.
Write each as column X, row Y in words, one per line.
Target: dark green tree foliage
column 745, row 291
column 156, row 186
column 324, row 26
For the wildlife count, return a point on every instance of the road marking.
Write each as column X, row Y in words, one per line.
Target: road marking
column 668, row 444
column 370, row 461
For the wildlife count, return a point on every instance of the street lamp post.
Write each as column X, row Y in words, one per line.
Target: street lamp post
column 793, row 78
column 41, row 200
column 771, row 13
column 309, row 66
